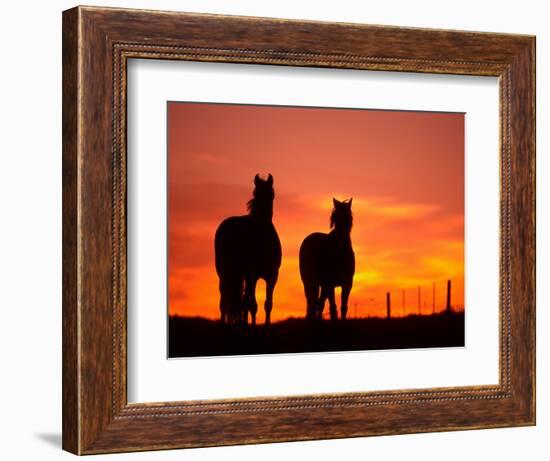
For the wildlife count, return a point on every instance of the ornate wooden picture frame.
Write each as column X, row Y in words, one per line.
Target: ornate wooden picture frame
column 97, row 44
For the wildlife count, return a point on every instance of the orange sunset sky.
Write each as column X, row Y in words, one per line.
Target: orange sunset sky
column 404, row 170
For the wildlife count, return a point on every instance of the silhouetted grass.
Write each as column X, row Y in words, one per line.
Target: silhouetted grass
column 197, row 336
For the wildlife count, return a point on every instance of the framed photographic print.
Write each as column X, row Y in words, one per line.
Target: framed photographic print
column 284, row 230
column 401, row 278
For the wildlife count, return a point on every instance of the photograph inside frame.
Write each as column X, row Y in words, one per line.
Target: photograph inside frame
column 313, row 229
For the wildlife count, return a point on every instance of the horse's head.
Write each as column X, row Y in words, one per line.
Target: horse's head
column 262, row 202
column 341, row 217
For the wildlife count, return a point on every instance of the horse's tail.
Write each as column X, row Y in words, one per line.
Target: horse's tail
column 308, row 259
column 230, row 279
column 220, row 249
column 311, row 291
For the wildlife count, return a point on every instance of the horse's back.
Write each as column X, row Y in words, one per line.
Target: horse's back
column 342, row 259
column 326, row 259
column 311, row 257
column 227, row 243
column 272, row 250
column 245, row 245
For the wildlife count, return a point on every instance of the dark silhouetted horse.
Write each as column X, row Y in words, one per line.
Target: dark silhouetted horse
column 327, row 261
column 247, row 249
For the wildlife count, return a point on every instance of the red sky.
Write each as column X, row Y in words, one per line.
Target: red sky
column 404, row 170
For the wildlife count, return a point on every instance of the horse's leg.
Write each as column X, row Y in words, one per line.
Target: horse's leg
column 223, row 301
column 233, row 295
column 311, row 292
column 346, row 288
column 321, row 302
column 243, row 318
column 269, row 288
column 332, row 304
column 222, row 310
column 250, row 304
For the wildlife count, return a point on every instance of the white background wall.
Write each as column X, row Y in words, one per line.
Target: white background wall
column 30, row 234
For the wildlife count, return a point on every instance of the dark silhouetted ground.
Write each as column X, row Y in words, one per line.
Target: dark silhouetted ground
column 197, row 336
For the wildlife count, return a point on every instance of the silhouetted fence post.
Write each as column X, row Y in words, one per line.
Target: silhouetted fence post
column 438, row 305
column 448, row 296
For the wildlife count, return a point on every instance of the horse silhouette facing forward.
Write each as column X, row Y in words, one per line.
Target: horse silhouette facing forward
column 247, row 248
column 327, row 261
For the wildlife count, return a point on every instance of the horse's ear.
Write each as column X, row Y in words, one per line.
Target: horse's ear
column 349, row 202
column 270, row 179
column 256, row 179
column 336, row 202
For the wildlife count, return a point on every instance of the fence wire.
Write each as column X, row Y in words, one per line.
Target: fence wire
column 433, row 298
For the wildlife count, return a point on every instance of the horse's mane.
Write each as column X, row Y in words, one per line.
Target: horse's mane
column 344, row 219
column 252, row 206
column 261, row 202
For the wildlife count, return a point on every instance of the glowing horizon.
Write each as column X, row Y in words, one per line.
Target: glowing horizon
column 404, row 170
